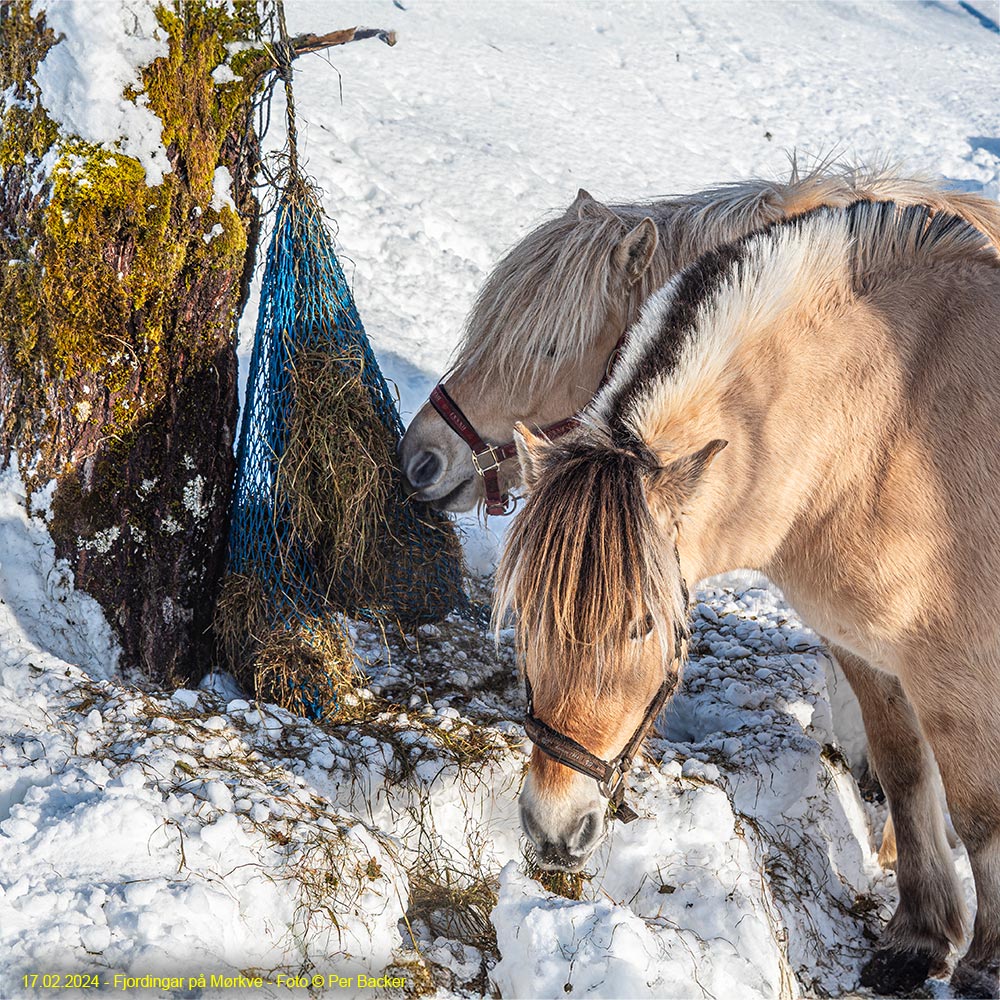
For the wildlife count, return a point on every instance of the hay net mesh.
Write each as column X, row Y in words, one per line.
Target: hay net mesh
column 320, row 520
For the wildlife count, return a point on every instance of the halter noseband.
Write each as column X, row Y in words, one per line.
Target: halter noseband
column 609, row 774
column 487, row 458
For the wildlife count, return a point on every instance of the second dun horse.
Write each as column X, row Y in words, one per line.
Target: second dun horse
column 817, row 401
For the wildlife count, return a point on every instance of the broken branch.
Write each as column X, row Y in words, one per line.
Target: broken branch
column 303, row 44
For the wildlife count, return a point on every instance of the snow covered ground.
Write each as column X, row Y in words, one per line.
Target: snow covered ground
column 179, row 834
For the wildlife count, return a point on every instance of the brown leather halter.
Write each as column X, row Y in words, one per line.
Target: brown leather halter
column 487, row 458
column 609, row 774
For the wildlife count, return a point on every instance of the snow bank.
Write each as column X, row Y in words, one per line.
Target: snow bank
column 41, row 616
column 147, row 835
column 82, row 79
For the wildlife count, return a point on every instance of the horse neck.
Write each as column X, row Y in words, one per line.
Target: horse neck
column 790, row 416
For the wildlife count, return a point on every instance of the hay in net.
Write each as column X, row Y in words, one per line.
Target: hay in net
column 309, row 671
column 321, row 524
column 335, row 475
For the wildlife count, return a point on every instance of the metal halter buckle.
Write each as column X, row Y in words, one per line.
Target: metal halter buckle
column 610, row 785
column 494, row 459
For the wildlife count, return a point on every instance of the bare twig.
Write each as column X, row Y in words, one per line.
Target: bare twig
column 302, row 44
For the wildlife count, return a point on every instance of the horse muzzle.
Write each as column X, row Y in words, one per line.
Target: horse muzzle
column 563, row 845
column 437, row 471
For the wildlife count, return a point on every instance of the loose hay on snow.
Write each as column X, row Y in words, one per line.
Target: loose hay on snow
column 454, row 904
column 569, row 885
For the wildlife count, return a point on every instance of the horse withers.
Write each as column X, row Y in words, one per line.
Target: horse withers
column 817, row 401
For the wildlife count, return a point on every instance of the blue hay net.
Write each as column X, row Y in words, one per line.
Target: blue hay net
column 306, row 306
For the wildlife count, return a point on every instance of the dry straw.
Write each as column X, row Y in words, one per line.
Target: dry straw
column 335, row 473
column 340, row 484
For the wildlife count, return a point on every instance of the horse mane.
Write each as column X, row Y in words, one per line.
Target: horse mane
column 548, row 297
column 586, row 562
column 690, row 329
column 887, row 237
column 722, row 214
column 546, row 300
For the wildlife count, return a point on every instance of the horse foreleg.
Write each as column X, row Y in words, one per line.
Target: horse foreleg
column 931, row 914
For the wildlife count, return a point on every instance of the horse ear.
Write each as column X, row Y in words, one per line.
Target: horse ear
column 678, row 481
column 529, row 451
column 634, row 253
column 588, row 207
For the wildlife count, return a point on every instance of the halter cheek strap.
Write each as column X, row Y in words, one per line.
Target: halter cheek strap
column 609, row 774
column 486, row 458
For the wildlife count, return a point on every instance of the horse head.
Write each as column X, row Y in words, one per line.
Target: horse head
column 592, row 569
column 536, row 345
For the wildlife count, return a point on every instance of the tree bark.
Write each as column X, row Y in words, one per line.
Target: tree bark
column 119, row 301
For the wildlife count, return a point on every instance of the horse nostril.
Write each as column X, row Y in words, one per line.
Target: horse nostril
column 423, row 469
column 587, row 833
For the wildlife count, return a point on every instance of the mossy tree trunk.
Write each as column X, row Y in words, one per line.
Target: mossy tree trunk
column 119, row 303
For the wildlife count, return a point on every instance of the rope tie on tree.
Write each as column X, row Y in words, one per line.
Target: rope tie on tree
column 285, row 53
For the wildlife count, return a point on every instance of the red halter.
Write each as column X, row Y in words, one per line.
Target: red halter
column 487, row 458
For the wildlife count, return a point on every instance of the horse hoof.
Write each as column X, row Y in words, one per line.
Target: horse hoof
column 897, row 973
column 971, row 982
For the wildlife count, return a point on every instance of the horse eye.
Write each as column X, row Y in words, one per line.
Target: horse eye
column 642, row 630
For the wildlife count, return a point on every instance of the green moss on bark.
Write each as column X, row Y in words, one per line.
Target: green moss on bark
column 119, row 302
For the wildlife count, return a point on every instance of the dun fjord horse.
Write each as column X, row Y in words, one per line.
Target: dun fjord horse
column 819, row 401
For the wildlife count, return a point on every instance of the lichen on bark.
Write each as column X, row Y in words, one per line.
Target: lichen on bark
column 119, row 304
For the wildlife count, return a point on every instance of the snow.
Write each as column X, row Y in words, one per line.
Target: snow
column 222, row 184
column 42, row 618
column 152, row 833
column 84, row 76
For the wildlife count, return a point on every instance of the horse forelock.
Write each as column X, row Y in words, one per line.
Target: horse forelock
column 585, row 564
column 545, row 303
